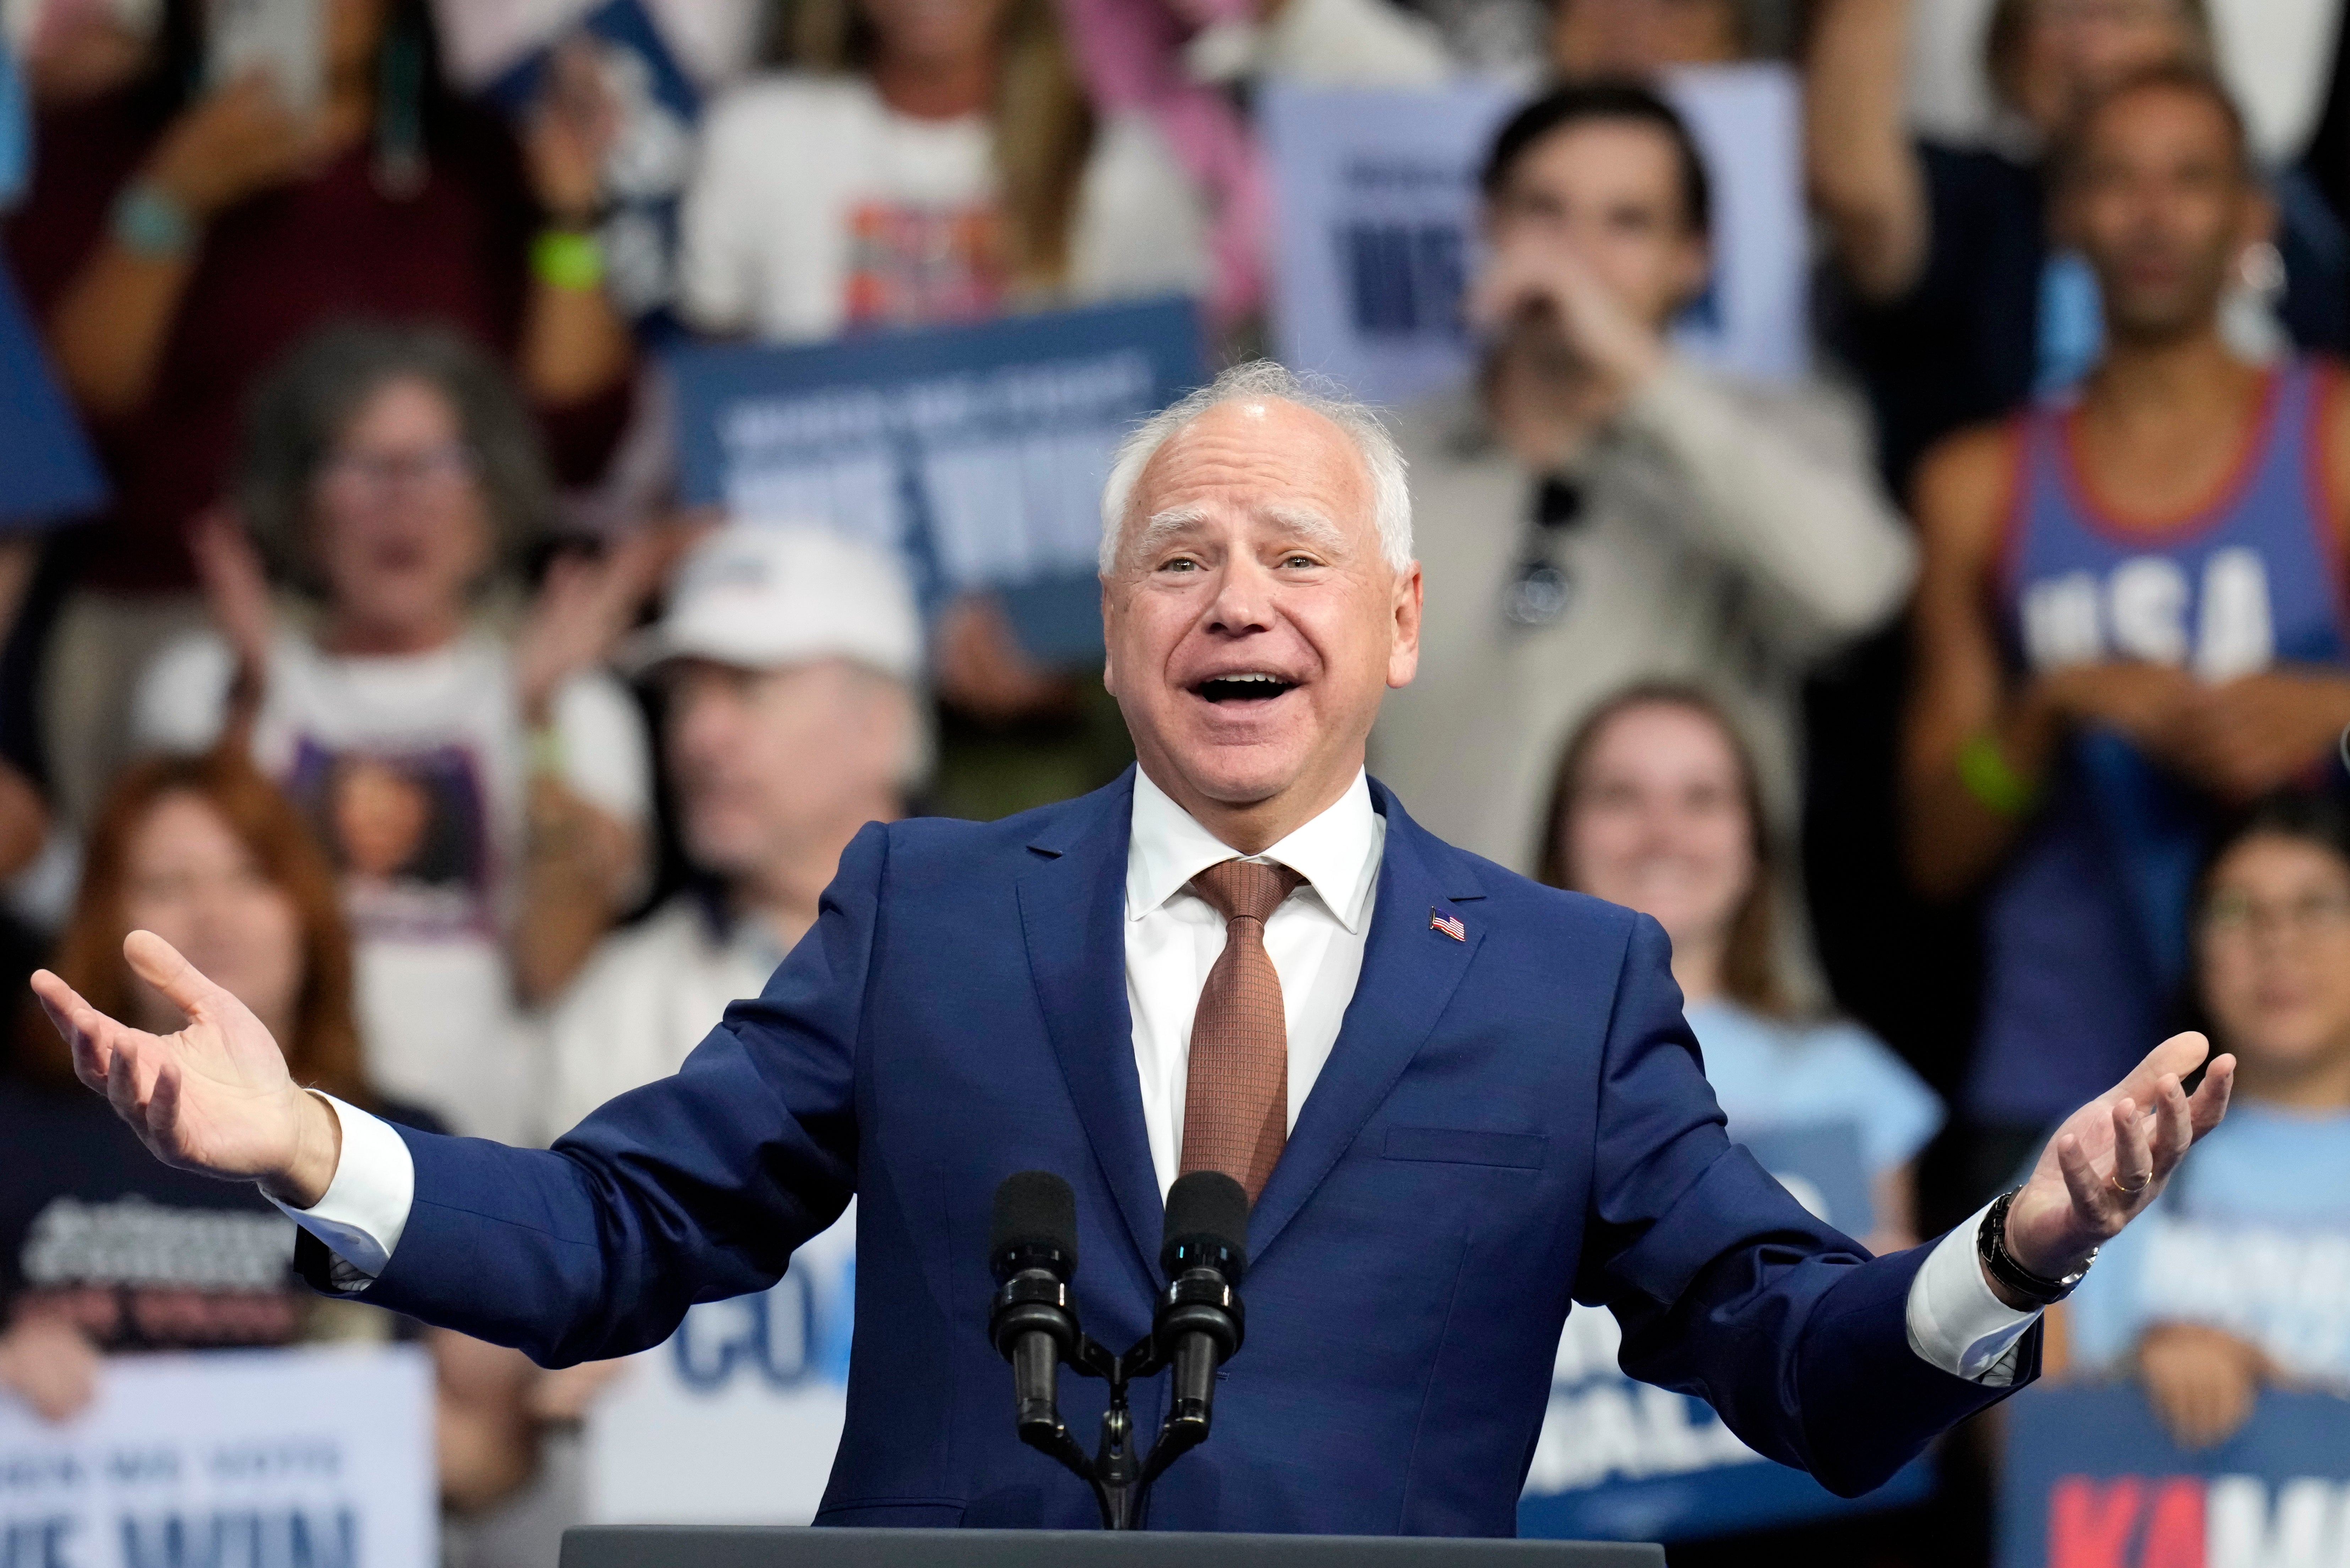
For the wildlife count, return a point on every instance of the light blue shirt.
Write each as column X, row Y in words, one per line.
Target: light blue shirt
column 1769, row 1072
column 2253, row 1235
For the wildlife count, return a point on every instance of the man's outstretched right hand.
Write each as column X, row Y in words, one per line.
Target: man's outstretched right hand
column 214, row 1098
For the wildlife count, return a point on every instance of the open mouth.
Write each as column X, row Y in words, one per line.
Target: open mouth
column 1249, row 688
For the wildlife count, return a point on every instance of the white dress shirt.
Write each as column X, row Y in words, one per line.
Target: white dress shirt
column 1172, row 937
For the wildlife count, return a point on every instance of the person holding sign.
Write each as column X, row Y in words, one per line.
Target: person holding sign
column 1604, row 510
column 2235, row 1281
column 1457, row 1100
column 101, row 1250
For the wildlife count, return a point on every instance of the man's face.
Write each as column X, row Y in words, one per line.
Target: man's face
column 764, row 760
column 1609, row 191
column 2158, row 203
column 1253, row 625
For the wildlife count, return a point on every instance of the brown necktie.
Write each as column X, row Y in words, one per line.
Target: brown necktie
column 1236, row 1096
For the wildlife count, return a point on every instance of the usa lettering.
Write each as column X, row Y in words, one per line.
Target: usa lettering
column 2148, row 609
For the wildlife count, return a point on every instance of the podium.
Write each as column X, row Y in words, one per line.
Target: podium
column 745, row 1546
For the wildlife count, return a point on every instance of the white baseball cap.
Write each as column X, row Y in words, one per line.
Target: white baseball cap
column 761, row 596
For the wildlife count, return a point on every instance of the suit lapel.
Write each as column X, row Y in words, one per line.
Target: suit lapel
column 1411, row 970
column 1073, row 916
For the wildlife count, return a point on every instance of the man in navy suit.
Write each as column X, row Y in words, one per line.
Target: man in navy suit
column 1459, row 1101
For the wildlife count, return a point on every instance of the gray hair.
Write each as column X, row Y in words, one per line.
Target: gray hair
column 1260, row 378
column 310, row 397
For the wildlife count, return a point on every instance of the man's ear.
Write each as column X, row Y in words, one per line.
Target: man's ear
column 1403, row 651
column 1693, row 269
column 1110, row 642
column 2259, row 220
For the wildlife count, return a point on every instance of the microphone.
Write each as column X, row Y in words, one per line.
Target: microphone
column 1200, row 1325
column 1032, row 1249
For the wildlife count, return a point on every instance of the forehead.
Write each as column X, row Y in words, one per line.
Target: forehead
column 2158, row 122
column 1662, row 740
column 1258, row 453
column 2268, row 859
column 1599, row 160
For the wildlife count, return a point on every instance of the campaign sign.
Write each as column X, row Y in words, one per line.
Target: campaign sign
column 2092, row 1480
column 47, row 471
column 651, row 159
column 1379, row 203
column 976, row 453
column 1621, row 1460
column 308, row 1458
column 733, row 1420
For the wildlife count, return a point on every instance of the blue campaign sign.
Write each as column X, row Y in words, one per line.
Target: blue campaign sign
column 1619, row 1460
column 47, row 472
column 976, row 453
column 2091, row 1480
column 655, row 105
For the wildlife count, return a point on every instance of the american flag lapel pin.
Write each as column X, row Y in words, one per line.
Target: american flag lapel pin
column 1452, row 926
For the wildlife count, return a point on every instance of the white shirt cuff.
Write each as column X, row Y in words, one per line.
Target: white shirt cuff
column 366, row 1205
column 1955, row 1320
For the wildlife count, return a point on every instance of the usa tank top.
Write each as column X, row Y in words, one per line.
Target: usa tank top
column 2085, row 931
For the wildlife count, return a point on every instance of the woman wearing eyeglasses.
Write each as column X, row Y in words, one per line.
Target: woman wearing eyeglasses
column 2239, row 1276
column 481, row 787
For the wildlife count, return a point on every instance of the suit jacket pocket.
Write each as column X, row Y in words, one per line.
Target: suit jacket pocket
column 1466, row 1145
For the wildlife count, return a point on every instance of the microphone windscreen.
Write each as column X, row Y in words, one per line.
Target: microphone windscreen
column 1034, row 1209
column 1207, row 1211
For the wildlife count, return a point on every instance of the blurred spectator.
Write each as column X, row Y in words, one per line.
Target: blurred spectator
column 787, row 662
column 2130, row 607
column 923, row 163
column 1657, row 807
column 2234, row 1279
column 178, row 242
column 482, row 792
column 1965, row 300
column 1597, row 510
column 102, row 1249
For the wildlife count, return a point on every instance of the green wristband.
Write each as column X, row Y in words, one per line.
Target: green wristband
column 1997, row 787
column 566, row 259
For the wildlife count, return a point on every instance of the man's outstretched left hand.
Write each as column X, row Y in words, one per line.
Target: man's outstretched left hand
column 2111, row 1157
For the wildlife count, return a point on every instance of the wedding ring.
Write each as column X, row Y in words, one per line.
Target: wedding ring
column 2129, row 1191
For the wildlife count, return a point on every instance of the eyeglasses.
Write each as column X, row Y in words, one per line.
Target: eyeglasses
column 1541, row 590
column 2237, row 914
column 451, row 462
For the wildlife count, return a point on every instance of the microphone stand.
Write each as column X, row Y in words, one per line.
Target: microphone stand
column 1120, row 1479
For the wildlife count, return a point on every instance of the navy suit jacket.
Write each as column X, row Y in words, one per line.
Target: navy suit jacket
column 1509, row 1123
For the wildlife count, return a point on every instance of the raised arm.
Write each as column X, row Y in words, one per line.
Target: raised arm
column 1862, row 170
column 109, row 326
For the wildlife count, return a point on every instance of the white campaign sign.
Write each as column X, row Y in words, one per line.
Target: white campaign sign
column 308, row 1458
column 1379, row 227
column 735, row 1419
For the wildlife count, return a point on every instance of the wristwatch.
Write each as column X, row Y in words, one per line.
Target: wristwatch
column 1990, row 1245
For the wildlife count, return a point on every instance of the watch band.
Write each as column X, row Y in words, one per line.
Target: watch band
column 1990, row 1245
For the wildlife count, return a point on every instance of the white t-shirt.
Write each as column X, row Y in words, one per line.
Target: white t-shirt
column 415, row 770
column 818, row 207
column 645, row 1001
